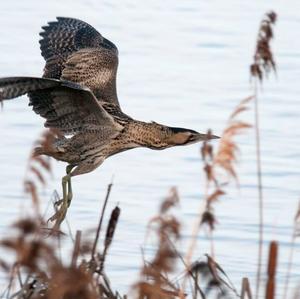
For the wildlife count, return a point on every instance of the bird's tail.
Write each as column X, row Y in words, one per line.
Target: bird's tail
column 12, row 87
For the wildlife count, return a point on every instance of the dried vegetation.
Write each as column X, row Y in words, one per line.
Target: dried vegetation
column 37, row 270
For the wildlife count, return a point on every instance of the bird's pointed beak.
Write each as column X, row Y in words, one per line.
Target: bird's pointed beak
column 186, row 136
column 198, row 137
column 204, row 137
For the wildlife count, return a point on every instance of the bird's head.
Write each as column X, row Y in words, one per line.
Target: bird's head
column 172, row 136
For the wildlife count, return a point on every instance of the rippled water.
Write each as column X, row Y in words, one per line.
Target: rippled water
column 182, row 63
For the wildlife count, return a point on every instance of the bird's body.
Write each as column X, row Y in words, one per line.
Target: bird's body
column 77, row 96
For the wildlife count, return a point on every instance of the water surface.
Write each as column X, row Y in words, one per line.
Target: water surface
column 182, row 63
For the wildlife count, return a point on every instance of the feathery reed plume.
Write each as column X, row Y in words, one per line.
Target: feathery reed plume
column 264, row 61
column 46, row 276
column 226, row 155
column 262, row 65
column 209, row 274
column 32, row 252
column 154, row 283
column 188, row 272
column 272, row 264
column 38, row 166
column 28, row 249
column 215, row 166
column 295, row 235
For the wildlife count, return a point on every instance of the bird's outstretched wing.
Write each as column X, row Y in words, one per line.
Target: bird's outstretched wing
column 66, row 106
column 77, row 52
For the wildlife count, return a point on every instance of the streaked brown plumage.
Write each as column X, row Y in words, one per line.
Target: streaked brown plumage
column 77, row 96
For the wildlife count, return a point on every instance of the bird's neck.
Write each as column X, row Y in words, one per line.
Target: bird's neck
column 145, row 134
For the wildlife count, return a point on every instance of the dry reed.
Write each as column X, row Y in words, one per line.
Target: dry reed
column 38, row 168
column 46, row 276
column 272, row 264
column 262, row 65
column 212, row 279
column 215, row 166
column 101, row 220
column 154, row 282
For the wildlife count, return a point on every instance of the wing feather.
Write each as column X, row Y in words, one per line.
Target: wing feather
column 77, row 52
column 66, row 106
column 83, row 68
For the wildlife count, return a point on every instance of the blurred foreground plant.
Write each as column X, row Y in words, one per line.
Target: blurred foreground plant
column 42, row 274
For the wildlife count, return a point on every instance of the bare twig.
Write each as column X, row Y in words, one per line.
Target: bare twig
column 101, row 220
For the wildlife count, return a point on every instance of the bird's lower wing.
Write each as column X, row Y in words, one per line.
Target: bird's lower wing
column 12, row 87
column 65, row 105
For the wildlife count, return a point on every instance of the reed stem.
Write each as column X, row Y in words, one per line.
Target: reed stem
column 260, row 189
column 101, row 220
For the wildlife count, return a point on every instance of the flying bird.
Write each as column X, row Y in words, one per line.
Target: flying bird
column 77, row 96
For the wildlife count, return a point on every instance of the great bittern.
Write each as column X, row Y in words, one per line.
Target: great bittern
column 77, row 96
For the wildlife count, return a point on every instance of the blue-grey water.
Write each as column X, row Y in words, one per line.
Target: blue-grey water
column 182, row 63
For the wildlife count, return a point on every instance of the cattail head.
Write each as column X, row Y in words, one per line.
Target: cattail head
column 114, row 217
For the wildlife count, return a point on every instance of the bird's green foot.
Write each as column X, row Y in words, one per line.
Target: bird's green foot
column 64, row 203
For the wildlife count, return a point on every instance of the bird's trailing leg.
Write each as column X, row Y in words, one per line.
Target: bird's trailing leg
column 65, row 202
column 69, row 185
